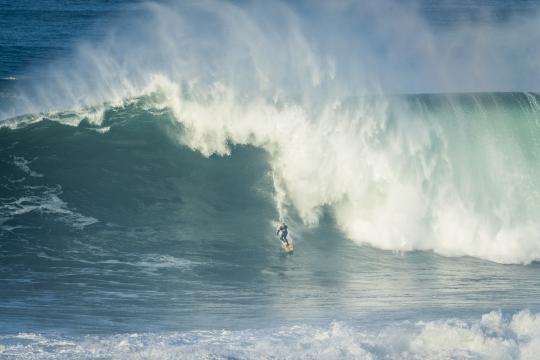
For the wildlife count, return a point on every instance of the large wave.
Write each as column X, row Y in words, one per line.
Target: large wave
column 455, row 174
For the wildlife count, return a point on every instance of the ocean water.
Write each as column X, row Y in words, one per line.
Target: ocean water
column 148, row 152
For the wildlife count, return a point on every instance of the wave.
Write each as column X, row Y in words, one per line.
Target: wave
column 455, row 174
column 491, row 337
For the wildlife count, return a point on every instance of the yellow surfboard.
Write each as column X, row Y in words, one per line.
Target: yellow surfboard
column 288, row 248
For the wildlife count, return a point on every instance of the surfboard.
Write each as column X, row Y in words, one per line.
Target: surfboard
column 288, row 248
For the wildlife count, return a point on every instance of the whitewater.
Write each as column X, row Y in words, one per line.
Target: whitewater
column 143, row 174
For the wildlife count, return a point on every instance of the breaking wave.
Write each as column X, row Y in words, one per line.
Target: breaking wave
column 491, row 337
column 456, row 174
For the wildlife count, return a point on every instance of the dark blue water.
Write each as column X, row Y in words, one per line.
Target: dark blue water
column 156, row 147
column 35, row 32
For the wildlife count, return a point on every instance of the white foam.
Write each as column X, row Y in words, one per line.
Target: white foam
column 20, row 121
column 102, row 130
column 93, row 114
column 494, row 336
column 22, row 164
column 46, row 201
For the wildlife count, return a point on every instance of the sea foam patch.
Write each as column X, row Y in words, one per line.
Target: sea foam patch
column 46, row 201
column 493, row 336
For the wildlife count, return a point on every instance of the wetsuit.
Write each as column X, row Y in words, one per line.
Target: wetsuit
column 284, row 234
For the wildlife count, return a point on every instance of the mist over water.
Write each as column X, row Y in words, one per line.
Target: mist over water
column 314, row 52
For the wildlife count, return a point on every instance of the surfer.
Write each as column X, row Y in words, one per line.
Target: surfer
column 284, row 233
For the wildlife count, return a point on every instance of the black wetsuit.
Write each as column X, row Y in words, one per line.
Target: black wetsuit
column 284, row 234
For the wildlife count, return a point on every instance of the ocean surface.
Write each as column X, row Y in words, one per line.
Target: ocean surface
column 149, row 151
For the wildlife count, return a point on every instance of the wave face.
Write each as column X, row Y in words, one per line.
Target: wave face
column 455, row 174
